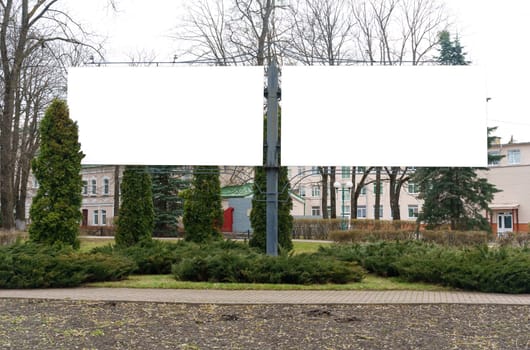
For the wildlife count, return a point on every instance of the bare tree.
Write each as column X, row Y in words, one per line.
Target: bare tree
column 397, row 176
column 25, row 28
column 357, row 188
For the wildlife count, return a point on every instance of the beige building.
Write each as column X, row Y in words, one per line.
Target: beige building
column 511, row 206
column 306, row 182
column 511, row 175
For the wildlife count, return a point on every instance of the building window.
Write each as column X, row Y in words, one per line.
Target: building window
column 413, row 188
column 95, row 217
column 106, row 186
column 315, row 211
column 346, row 172
column 361, row 212
column 314, row 170
column 380, row 188
column 301, row 170
column 514, row 156
column 315, row 191
column 413, row 211
column 85, row 187
column 302, row 191
column 93, row 187
column 360, row 169
column 347, row 211
column 103, row 217
column 496, row 156
column 363, row 191
column 380, row 211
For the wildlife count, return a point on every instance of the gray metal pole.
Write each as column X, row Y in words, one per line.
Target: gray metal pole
column 272, row 162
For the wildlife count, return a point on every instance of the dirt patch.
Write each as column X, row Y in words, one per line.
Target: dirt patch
column 60, row 324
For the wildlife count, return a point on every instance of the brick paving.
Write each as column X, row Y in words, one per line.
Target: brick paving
column 267, row 296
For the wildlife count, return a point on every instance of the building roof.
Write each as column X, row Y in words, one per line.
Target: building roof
column 239, row 191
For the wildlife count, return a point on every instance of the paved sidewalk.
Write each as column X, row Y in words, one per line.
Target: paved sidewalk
column 267, row 296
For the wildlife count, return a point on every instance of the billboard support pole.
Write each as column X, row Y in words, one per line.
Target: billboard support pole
column 272, row 164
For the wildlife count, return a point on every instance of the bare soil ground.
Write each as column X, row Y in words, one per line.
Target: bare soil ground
column 63, row 324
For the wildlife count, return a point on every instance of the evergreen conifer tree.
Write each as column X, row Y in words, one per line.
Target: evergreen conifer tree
column 56, row 209
column 136, row 219
column 203, row 213
column 258, row 214
column 455, row 196
column 167, row 204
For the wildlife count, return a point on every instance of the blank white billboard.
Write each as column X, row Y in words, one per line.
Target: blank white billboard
column 168, row 115
column 384, row 116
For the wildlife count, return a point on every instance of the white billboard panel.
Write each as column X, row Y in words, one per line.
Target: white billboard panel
column 168, row 115
column 384, row 116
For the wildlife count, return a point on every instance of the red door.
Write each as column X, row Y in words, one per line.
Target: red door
column 228, row 220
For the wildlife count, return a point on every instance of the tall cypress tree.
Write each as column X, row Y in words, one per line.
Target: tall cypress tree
column 136, row 219
column 203, row 213
column 56, row 209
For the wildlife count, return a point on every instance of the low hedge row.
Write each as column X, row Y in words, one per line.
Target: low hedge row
column 449, row 238
column 31, row 265
column 501, row 270
column 322, row 228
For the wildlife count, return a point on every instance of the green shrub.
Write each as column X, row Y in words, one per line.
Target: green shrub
column 357, row 236
column 455, row 238
column 252, row 267
column 32, row 265
column 501, row 270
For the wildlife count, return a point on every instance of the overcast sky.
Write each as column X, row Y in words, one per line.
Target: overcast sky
column 494, row 33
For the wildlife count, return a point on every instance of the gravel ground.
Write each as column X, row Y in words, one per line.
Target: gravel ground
column 63, row 324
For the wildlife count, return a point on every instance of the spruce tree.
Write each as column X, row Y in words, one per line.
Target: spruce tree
column 167, row 204
column 203, row 213
column 56, row 209
column 136, row 219
column 455, row 196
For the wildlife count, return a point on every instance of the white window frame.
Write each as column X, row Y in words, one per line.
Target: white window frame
column 93, row 187
column 381, row 188
column 95, row 218
column 414, row 186
column 345, row 172
column 103, row 217
column 361, row 211
column 415, row 211
column 363, row 191
column 514, row 156
column 106, row 186
column 315, row 191
column 315, row 211
column 85, row 188
column 494, row 161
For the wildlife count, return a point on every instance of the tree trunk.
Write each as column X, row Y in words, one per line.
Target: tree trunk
column 377, row 193
column 353, row 198
column 324, row 185
column 332, row 193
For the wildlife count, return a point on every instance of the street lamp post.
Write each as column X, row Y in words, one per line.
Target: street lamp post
column 343, row 187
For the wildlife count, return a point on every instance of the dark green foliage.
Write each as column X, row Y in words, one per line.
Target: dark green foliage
column 258, row 214
column 56, row 209
column 451, row 52
column 492, row 158
column 203, row 213
column 136, row 219
column 455, row 196
column 500, row 270
column 32, row 265
column 167, row 204
column 252, row 267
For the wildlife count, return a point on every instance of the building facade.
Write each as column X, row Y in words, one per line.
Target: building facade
column 511, row 175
